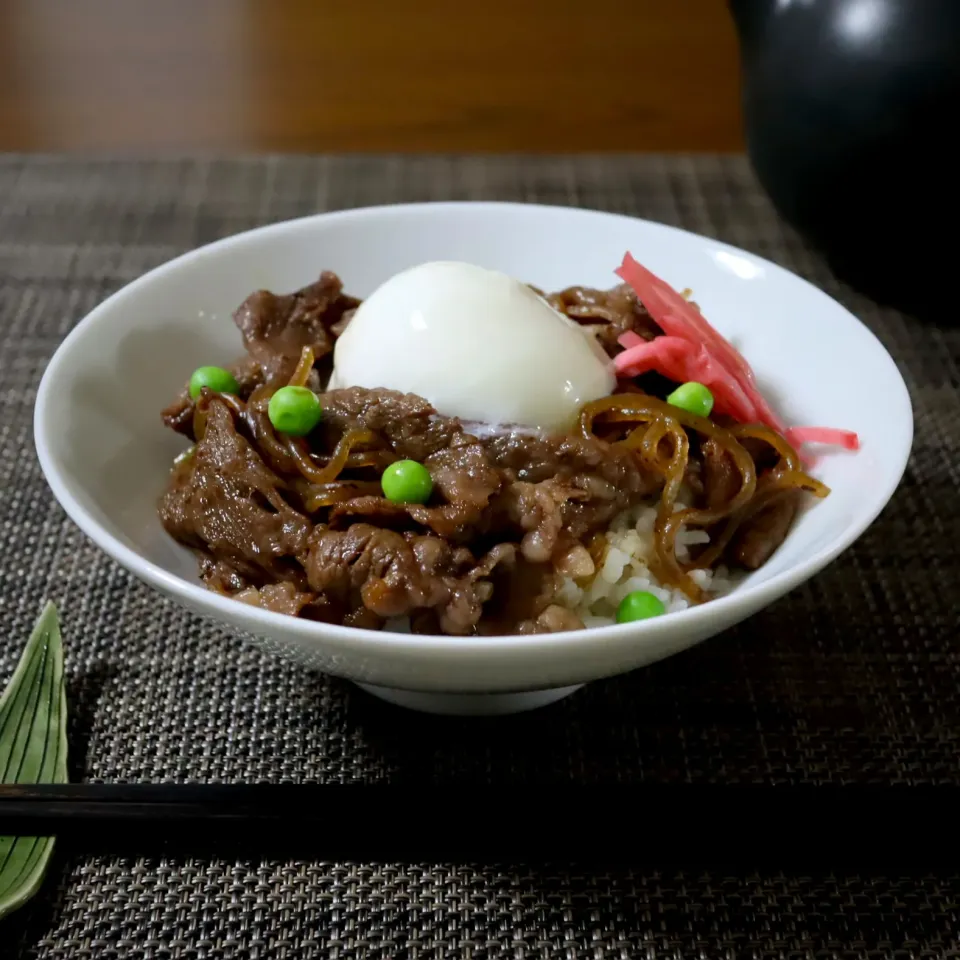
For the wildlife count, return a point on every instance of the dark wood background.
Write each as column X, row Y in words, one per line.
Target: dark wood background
column 420, row 75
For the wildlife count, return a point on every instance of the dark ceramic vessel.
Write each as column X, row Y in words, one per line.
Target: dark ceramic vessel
column 850, row 109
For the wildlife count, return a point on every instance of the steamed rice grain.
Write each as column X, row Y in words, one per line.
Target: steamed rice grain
column 625, row 568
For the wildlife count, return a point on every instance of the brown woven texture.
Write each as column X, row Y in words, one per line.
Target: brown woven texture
column 852, row 678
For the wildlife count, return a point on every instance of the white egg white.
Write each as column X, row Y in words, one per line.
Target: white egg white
column 477, row 344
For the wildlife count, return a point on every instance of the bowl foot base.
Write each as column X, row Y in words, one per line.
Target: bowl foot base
column 469, row 704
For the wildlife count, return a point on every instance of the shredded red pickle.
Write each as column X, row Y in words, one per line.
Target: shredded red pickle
column 692, row 350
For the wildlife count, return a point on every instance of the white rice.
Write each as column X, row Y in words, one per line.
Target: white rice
column 625, row 568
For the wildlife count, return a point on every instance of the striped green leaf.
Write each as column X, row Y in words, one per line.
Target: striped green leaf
column 33, row 749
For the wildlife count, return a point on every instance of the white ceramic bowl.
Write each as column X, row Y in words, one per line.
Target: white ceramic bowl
column 106, row 455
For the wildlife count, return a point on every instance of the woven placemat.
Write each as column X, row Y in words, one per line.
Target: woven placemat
column 852, row 678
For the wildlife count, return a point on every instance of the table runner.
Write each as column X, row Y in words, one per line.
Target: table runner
column 852, row 678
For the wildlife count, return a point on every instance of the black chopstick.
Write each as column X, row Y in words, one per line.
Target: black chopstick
column 779, row 826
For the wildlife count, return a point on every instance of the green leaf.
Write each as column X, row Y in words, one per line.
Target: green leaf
column 33, row 749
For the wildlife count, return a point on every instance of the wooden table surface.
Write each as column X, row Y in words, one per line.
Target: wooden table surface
column 315, row 75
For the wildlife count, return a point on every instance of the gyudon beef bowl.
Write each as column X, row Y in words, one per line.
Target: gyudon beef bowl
column 472, row 456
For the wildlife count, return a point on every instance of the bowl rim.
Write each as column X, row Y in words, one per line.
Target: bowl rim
column 694, row 619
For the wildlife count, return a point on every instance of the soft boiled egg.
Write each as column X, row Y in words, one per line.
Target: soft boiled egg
column 475, row 343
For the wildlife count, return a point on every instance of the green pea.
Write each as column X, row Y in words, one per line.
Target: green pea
column 693, row 397
column 215, row 378
column 639, row 605
column 407, row 481
column 294, row 410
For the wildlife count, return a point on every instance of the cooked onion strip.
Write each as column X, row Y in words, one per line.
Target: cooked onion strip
column 660, row 420
column 755, row 431
column 271, row 447
column 302, row 372
column 331, row 494
column 334, row 466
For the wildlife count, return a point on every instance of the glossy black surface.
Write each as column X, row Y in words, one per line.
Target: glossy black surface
column 849, row 111
column 697, row 826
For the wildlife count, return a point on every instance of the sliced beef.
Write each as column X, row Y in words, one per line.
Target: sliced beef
column 468, row 594
column 226, row 503
column 534, row 458
column 463, row 476
column 366, row 569
column 538, row 511
column 179, row 415
column 276, row 327
column 464, row 473
column 537, row 491
column 580, row 484
column 278, row 597
column 392, row 575
column 407, row 424
column 220, row 575
column 456, row 521
column 693, row 479
column 609, row 313
column 464, row 482
column 541, row 494
column 522, row 601
column 760, row 536
column 719, row 476
column 542, row 517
